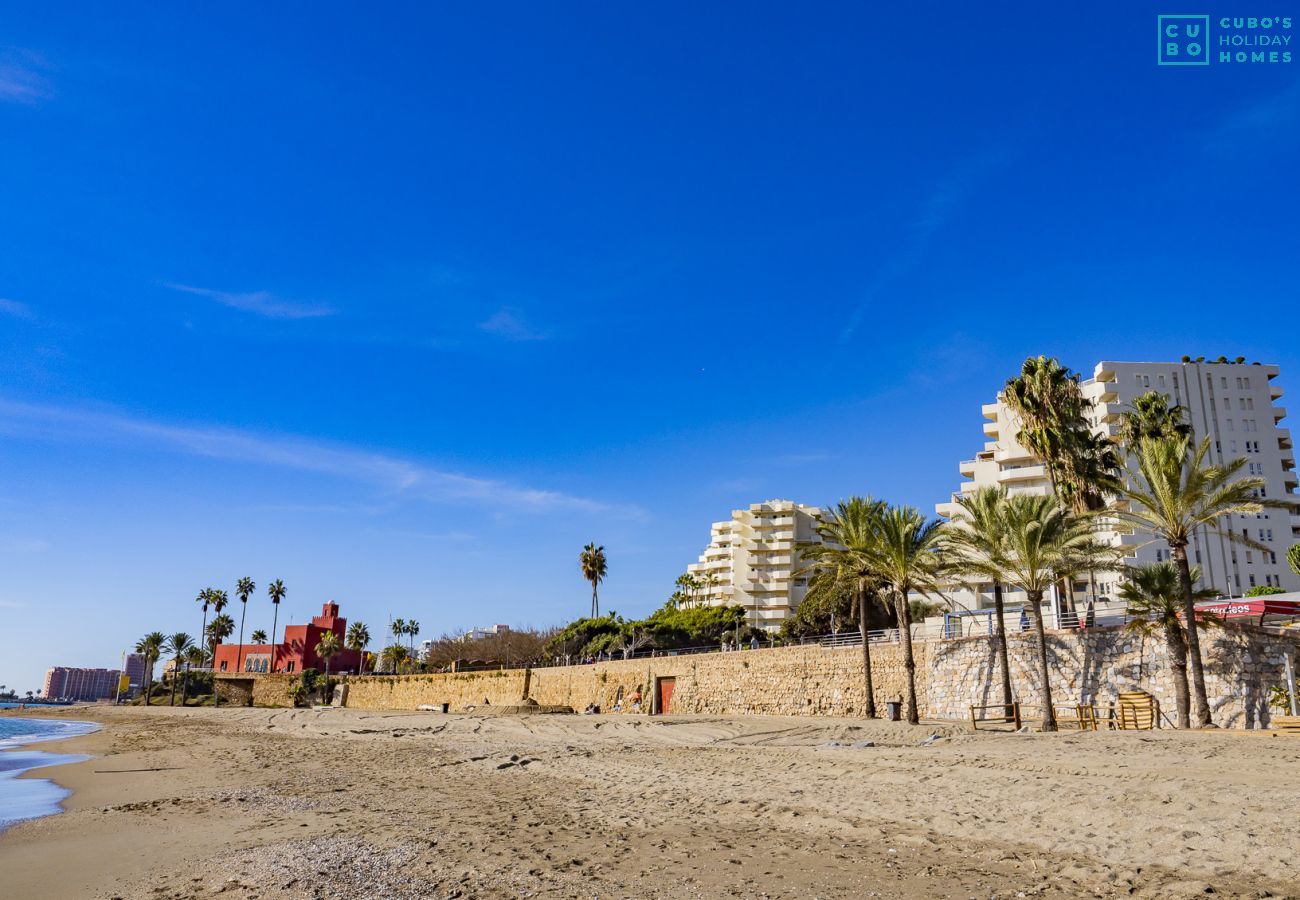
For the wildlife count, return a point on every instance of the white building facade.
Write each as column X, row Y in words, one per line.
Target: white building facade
column 1235, row 404
column 752, row 561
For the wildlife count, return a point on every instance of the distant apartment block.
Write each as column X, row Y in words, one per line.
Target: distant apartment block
column 1234, row 404
column 136, row 671
column 752, row 561
column 479, row 634
column 66, row 683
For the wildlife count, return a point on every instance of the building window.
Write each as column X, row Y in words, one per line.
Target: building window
column 1227, row 403
column 1162, row 380
column 223, row 665
column 1252, row 584
column 1246, row 382
column 289, row 665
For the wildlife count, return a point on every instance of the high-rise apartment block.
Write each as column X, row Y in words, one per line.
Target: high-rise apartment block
column 753, row 562
column 136, row 670
column 1234, row 404
column 65, row 683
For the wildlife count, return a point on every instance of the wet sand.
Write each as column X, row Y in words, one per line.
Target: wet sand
column 247, row 803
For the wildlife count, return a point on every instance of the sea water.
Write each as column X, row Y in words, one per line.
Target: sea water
column 30, row 798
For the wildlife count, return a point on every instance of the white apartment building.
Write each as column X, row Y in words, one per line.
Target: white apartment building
column 752, row 560
column 1233, row 403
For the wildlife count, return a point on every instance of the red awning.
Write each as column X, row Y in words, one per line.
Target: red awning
column 1250, row 606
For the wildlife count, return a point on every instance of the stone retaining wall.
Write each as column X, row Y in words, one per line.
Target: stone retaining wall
column 1092, row 667
column 1087, row 667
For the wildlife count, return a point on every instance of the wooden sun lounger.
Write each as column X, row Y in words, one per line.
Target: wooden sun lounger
column 1286, row 724
column 1137, row 711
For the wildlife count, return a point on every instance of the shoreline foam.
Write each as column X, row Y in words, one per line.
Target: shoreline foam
column 22, row 796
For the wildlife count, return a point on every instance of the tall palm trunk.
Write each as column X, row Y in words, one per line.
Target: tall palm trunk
column 1179, row 553
column 216, row 694
column 185, row 686
column 1036, row 611
column 909, row 661
column 203, row 632
column 148, row 687
column 1177, row 648
column 275, row 620
column 869, row 710
column 595, row 602
column 1000, row 642
column 239, row 654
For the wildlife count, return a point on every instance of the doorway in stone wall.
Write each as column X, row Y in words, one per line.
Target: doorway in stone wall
column 664, row 695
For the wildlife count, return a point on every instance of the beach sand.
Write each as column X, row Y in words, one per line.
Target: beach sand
column 247, row 803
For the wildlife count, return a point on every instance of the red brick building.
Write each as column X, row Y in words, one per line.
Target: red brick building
column 296, row 652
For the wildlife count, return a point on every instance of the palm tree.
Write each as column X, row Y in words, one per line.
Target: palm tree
column 205, row 598
column 395, row 655
column 1044, row 542
column 398, row 628
column 195, row 657
column 327, row 648
column 844, row 555
column 1080, row 464
column 258, row 637
column 1047, row 400
column 594, row 568
column 178, row 645
column 1152, row 416
column 220, row 628
column 979, row 549
column 1155, row 604
column 243, row 589
column 150, row 647
column 276, row 591
column 904, row 555
column 358, row 639
column 413, row 629
column 1172, row 491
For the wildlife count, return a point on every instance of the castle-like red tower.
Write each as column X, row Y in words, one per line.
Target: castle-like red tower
column 296, row 652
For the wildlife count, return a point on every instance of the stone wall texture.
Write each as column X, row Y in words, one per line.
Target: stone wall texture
column 1092, row 667
column 1086, row 667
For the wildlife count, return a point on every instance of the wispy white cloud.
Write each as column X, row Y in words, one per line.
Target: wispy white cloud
column 1271, row 122
column 509, row 324
column 15, row 309
column 944, row 200
column 262, row 303
column 22, row 78
column 394, row 475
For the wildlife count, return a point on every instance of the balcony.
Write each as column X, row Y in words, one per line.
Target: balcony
column 1279, row 413
column 1022, row 473
column 991, row 429
column 1284, row 439
column 990, row 410
column 1012, row 453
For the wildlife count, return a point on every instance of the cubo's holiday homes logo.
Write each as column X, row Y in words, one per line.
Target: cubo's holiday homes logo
column 1196, row 40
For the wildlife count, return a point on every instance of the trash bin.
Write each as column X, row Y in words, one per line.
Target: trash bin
column 893, row 710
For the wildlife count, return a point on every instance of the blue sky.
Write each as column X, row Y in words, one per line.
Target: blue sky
column 405, row 304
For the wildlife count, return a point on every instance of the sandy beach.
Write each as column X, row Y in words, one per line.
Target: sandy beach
column 247, row 803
